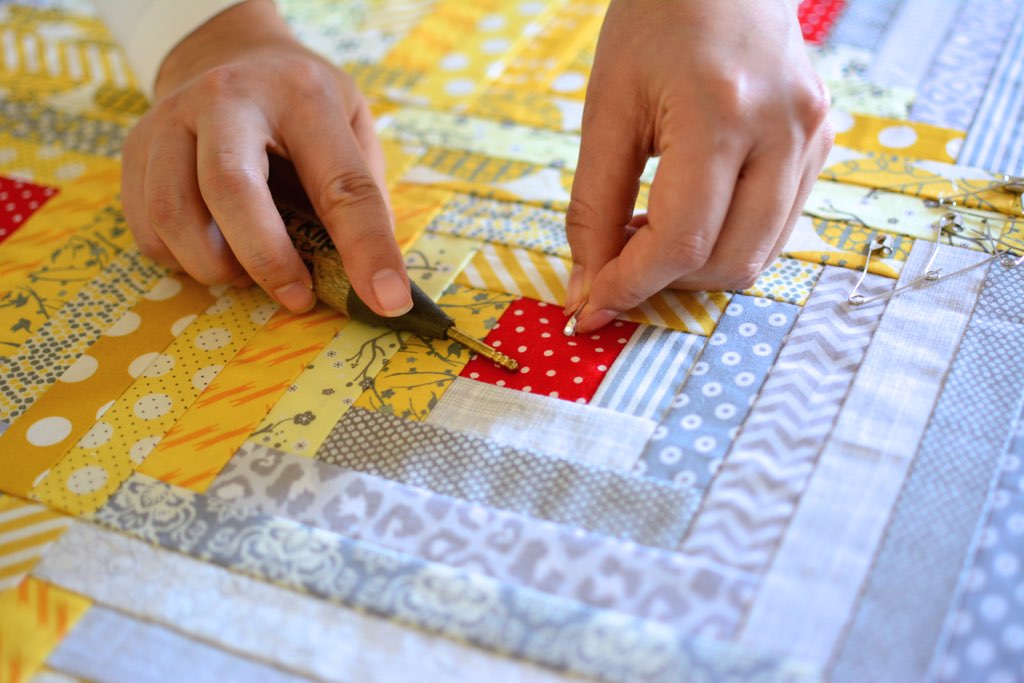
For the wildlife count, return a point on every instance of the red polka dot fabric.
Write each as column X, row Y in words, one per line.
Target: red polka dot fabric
column 551, row 364
column 817, row 18
column 19, row 200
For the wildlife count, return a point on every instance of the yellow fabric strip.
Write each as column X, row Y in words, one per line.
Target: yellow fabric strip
column 94, row 468
column 26, row 530
column 34, row 617
column 439, row 34
column 971, row 188
column 414, row 207
column 48, row 165
column 70, row 407
column 499, row 268
column 896, row 136
column 304, row 415
column 483, row 52
column 226, row 413
column 546, row 56
column 413, row 380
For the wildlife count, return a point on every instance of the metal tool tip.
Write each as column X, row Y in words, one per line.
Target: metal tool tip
column 570, row 326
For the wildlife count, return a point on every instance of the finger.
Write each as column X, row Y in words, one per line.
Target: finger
column 133, row 199
column 759, row 213
column 604, row 189
column 348, row 200
column 232, row 161
column 177, row 213
column 820, row 149
column 369, row 144
column 688, row 204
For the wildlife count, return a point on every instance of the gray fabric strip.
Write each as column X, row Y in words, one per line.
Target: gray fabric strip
column 464, row 466
column 915, row 573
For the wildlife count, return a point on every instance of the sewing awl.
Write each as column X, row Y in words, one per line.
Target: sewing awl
column 331, row 283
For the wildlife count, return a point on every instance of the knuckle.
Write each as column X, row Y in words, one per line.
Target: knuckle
column 689, row 251
column 581, row 217
column 267, row 265
column 743, row 277
column 346, row 190
column 218, row 82
column 812, row 102
column 226, row 175
column 151, row 247
column 166, row 210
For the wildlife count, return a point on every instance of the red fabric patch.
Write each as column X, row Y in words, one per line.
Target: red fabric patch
column 570, row 368
column 817, row 17
column 19, row 199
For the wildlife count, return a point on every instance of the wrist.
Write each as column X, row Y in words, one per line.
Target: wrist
column 239, row 29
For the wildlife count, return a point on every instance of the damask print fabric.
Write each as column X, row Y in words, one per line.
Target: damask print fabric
column 763, row 485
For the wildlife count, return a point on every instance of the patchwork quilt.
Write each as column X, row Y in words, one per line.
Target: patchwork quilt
column 763, row 485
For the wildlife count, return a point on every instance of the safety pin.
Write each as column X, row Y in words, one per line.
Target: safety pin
column 884, row 244
column 1010, row 184
column 881, row 243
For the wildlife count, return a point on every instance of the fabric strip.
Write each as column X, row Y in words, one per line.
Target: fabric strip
column 27, row 530
column 129, row 430
column 534, row 422
column 994, row 138
column 755, row 493
column 560, row 560
column 260, row 620
column 558, row 633
column 71, row 407
column 916, row 34
column 646, row 375
column 824, row 558
column 953, row 89
column 34, row 618
column 955, row 472
column 482, row 471
column 697, row 430
column 983, row 635
column 863, row 22
column 108, row 647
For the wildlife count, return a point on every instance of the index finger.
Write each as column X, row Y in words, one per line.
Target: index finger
column 689, row 199
column 331, row 164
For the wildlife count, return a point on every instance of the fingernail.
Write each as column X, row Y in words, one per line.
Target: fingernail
column 595, row 321
column 296, row 297
column 574, row 289
column 392, row 293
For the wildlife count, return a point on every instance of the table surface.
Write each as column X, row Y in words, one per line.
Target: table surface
column 770, row 484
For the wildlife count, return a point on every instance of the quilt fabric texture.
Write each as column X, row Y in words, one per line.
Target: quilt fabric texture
column 762, row 485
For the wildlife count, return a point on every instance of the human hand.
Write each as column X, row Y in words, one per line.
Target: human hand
column 725, row 94
column 194, row 184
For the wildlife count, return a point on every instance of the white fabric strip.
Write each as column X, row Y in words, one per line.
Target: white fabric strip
column 295, row 632
column 810, row 589
column 912, row 41
column 570, row 430
column 149, row 29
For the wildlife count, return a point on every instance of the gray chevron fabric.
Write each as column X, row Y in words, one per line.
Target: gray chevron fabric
column 752, row 498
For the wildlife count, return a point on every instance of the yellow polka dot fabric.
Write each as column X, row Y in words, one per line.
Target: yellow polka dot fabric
column 131, row 348
column 137, row 421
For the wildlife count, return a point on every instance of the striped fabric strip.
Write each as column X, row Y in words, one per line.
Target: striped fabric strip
column 26, row 531
column 996, row 138
column 825, row 556
column 644, row 378
column 955, row 473
column 544, row 278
